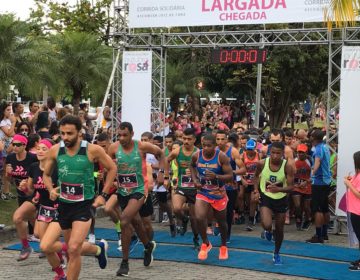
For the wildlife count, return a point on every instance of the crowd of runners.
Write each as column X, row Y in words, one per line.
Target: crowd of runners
column 212, row 172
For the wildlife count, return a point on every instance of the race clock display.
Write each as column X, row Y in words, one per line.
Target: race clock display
column 238, row 56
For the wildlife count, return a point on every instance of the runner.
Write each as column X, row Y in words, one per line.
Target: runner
column 301, row 194
column 185, row 191
column 17, row 168
column 320, row 187
column 74, row 160
column 238, row 168
column 133, row 189
column 112, row 208
column 210, row 169
column 47, row 209
column 250, row 157
column 274, row 178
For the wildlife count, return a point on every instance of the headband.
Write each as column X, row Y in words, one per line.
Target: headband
column 21, row 138
column 46, row 142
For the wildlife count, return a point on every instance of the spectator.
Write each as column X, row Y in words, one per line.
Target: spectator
column 51, row 104
column 42, row 125
column 33, row 107
column 18, row 110
column 24, row 128
column 353, row 203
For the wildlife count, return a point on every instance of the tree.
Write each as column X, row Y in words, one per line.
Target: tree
column 84, row 16
column 343, row 12
column 84, row 64
column 24, row 60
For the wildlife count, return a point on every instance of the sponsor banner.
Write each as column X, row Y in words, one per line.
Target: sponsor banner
column 169, row 13
column 136, row 90
column 348, row 140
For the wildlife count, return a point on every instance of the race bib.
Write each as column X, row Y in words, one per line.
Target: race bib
column 128, row 181
column 250, row 178
column 47, row 214
column 298, row 180
column 208, row 184
column 72, row 192
column 187, row 182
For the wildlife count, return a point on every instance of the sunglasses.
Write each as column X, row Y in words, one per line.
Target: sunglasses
column 17, row 144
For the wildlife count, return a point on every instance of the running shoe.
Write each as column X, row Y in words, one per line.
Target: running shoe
column 223, row 253
column 216, row 230
column 204, row 250
column 357, row 262
column 228, row 239
column 32, row 238
column 123, row 269
column 92, row 238
column 102, row 258
column 326, row 238
column 306, row 225
column 315, row 240
column 196, row 244
column 183, row 229
column 354, row 268
column 42, row 255
column 25, row 253
column 11, row 195
column 277, row 259
column 4, row 197
column 266, row 235
column 148, row 253
column 249, row 227
column 172, row 231
column 134, row 241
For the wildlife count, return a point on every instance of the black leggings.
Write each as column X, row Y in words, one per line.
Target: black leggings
column 355, row 222
column 232, row 195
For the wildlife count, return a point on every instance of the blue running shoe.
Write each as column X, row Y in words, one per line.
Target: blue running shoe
column 102, row 258
column 277, row 259
column 268, row 235
column 216, row 231
column 134, row 241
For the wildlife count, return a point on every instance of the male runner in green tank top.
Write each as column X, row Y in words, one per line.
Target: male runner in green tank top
column 274, row 178
column 74, row 160
column 185, row 191
column 130, row 156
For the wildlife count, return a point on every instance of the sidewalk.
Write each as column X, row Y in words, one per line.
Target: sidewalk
column 38, row 269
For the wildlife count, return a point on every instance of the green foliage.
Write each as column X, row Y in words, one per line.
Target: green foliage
column 23, row 59
column 84, row 16
column 84, row 64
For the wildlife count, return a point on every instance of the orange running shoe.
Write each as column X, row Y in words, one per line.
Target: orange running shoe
column 223, row 253
column 204, row 250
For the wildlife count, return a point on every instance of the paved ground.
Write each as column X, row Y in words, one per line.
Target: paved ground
column 37, row 269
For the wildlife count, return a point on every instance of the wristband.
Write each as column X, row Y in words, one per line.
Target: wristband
column 105, row 195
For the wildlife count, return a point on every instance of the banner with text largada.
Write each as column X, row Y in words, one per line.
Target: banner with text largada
column 170, row 13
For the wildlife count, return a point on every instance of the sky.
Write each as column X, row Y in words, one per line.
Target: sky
column 21, row 8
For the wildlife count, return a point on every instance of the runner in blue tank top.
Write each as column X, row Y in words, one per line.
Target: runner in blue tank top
column 210, row 169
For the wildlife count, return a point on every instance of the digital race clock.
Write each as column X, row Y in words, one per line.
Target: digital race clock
column 245, row 56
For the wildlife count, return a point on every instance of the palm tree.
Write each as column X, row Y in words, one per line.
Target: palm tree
column 22, row 57
column 84, row 64
column 343, row 12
